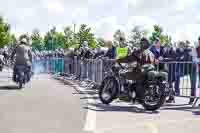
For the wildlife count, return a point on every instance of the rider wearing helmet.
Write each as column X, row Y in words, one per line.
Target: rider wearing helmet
column 23, row 54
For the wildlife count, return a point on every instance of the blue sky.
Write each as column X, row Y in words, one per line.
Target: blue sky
column 179, row 18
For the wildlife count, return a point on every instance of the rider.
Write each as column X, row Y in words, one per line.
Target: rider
column 141, row 56
column 23, row 55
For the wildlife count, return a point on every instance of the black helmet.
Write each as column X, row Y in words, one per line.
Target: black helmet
column 144, row 44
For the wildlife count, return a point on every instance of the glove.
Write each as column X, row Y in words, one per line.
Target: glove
column 157, row 62
column 160, row 58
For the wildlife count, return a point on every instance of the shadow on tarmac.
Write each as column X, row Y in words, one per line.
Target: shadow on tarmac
column 9, row 87
column 182, row 108
column 115, row 108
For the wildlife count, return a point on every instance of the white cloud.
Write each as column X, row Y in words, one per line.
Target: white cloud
column 106, row 27
column 55, row 7
column 106, row 16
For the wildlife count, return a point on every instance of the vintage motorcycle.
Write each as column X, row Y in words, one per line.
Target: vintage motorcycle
column 155, row 87
column 23, row 75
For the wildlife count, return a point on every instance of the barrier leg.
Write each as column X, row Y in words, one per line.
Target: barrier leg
column 195, row 102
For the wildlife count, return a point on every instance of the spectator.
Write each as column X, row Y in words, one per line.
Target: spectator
column 181, row 69
column 111, row 50
column 170, row 54
column 158, row 52
column 198, row 53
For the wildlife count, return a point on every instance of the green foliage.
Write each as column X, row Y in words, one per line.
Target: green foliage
column 54, row 40
column 136, row 35
column 101, row 42
column 5, row 35
column 59, row 40
column 48, row 41
column 69, row 36
column 158, row 33
column 85, row 34
column 119, row 38
column 37, row 40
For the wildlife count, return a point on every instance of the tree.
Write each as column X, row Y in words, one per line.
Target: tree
column 69, row 37
column 119, row 38
column 165, row 40
column 85, row 34
column 4, row 33
column 59, row 40
column 48, row 41
column 37, row 41
column 54, row 40
column 101, row 42
column 136, row 35
column 158, row 33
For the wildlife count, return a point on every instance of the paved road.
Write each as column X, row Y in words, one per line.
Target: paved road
column 49, row 106
column 44, row 106
column 124, row 117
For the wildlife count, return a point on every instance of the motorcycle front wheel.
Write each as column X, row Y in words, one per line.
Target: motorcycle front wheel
column 108, row 90
column 153, row 97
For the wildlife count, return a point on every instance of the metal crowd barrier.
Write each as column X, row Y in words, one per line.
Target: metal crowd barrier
column 183, row 77
column 87, row 69
column 48, row 65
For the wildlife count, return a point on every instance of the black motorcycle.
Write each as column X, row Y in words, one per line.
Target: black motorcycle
column 155, row 88
column 22, row 76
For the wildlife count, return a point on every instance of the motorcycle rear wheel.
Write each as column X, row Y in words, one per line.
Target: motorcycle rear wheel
column 155, row 104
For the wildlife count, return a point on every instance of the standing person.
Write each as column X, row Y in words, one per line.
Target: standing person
column 170, row 57
column 111, row 53
column 158, row 52
column 198, row 59
column 181, row 69
column 85, row 54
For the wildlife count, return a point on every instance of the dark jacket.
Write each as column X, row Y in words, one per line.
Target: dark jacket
column 183, row 55
column 141, row 58
column 156, row 53
column 111, row 53
column 23, row 55
column 198, row 53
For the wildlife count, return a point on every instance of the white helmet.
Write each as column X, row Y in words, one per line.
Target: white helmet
column 23, row 41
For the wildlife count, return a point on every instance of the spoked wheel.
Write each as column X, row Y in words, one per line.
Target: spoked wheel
column 153, row 97
column 108, row 90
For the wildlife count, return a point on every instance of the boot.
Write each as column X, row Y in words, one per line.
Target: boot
column 171, row 99
column 191, row 101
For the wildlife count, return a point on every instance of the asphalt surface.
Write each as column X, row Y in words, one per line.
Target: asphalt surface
column 52, row 106
column 45, row 105
column 125, row 117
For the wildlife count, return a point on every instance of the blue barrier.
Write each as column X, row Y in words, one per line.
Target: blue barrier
column 48, row 65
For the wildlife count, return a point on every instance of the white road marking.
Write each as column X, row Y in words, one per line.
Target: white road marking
column 90, row 124
column 153, row 127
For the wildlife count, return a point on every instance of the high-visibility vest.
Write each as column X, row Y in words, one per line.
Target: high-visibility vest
column 121, row 52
